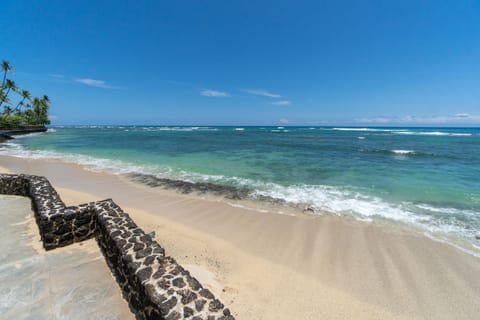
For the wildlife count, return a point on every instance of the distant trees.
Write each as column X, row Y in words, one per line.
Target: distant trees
column 28, row 110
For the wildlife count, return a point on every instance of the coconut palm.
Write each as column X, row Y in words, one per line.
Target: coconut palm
column 9, row 85
column 45, row 99
column 31, row 111
column 7, row 111
column 45, row 105
column 25, row 95
column 3, row 97
column 6, row 68
column 40, row 111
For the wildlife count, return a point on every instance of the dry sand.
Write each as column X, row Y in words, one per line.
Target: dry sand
column 266, row 265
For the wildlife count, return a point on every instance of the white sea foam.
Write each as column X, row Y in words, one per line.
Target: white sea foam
column 239, row 129
column 403, row 151
column 449, row 211
column 90, row 163
column 149, row 128
column 183, row 129
column 406, row 132
column 365, row 129
column 434, row 133
column 335, row 200
column 361, row 138
column 28, row 135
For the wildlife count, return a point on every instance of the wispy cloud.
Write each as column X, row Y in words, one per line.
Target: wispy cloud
column 56, row 75
column 282, row 103
column 213, row 93
column 459, row 118
column 261, row 92
column 283, row 121
column 93, row 83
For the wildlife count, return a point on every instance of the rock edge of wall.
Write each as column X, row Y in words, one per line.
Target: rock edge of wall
column 155, row 285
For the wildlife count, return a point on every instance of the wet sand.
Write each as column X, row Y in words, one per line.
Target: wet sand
column 267, row 265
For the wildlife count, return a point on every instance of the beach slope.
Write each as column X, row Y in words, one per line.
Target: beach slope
column 271, row 266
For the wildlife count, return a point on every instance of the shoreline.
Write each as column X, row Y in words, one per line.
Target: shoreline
column 445, row 219
column 272, row 266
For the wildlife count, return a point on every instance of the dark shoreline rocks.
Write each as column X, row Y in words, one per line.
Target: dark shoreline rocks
column 186, row 187
column 202, row 188
column 8, row 133
column 5, row 137
column 155, row 285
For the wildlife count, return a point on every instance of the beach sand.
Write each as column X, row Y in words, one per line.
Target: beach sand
column 266, row 265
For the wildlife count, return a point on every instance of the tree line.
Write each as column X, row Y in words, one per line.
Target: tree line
column 20, row 108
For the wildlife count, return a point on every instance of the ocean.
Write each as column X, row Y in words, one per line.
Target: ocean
column 425, row 178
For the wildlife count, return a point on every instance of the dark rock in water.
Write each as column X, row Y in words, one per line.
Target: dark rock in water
column 477, row 237
column 5, row 137
column 186, row 187
column 8, row 132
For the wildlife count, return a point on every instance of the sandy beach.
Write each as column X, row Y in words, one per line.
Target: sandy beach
column 266, row 265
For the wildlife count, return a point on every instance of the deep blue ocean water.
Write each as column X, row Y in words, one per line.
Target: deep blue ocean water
column 424, row 177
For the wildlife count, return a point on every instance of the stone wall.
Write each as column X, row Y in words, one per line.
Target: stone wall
column 155, row 285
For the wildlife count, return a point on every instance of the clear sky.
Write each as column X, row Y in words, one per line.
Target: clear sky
column 228, row 62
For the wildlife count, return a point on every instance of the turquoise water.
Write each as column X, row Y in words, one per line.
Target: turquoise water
column 428, row 178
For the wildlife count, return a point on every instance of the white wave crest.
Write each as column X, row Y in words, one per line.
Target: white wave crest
column 365, row 129
column 434, row 133
column 406, row 132
column 403, row 151
column 335, row 200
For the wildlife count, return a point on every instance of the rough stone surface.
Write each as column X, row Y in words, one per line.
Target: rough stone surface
column 155, row 285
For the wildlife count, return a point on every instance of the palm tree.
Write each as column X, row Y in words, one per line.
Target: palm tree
column 31, row 111
column 3, row 97
column 45, row 105
column 40, row 111
column 6, row 68
column 9, row 85
column 46, row 99
column 6, row 111
column 25, row 95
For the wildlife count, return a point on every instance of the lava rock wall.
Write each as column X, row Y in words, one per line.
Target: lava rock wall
column 155, row 285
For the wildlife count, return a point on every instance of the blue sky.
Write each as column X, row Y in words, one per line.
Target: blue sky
column 248, row 62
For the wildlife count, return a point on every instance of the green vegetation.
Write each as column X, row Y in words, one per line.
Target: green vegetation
column 19, row 107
